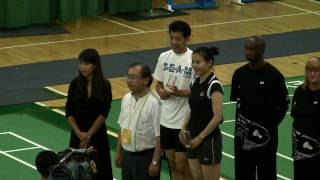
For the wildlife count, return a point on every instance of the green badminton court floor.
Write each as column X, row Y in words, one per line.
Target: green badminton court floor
column 27, row 129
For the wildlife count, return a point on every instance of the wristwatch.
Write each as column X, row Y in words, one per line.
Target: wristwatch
column 154, row 163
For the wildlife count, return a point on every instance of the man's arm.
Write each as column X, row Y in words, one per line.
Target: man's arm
column 154, row 167
column 174, row 91
column 179, row 92
column 161, row 91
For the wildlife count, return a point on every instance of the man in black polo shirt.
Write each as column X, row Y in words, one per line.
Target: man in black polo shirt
column 262, row 101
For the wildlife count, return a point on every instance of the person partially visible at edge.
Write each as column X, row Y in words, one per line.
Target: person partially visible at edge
column 262, row 102
column 306, row 123
column 174, row 75
column 205, row 101
column 138, row 149
column 44, row 161
column 88, row 105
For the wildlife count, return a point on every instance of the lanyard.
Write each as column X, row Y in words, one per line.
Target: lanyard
column 130, row 113
column 130, row 117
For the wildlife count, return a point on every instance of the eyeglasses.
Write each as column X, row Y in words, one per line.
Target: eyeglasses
column 313, row 71
column 132, row 77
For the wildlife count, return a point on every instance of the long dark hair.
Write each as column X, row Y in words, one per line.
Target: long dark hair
column 207, row 53
column 98, row 85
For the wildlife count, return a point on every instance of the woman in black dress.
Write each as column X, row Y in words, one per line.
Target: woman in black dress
column 306, row 125
column 87, row 107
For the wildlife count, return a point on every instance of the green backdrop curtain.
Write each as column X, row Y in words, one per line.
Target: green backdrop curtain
column 116, row 6
column 74, row 9
column 19, row 13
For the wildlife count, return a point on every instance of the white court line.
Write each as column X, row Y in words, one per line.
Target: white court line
column 29, row 141
column 4, row 132
column 228, row 155
column 144, row 32
column 70, row 40
column 291, row 86
column 121, row 24
column 56, row 91
column 112, row 133
column 17, row 159
column 295, row 7
column 41, row 104
column 59, row 111
column 21, row 149
column 227, row 121
column 230, row 102
column 297, row 81
column 278, row 154
column 314, row 1
column 227, row 134
column 282, row 177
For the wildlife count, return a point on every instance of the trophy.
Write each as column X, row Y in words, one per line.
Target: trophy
column 187, row 138
column 171, row 82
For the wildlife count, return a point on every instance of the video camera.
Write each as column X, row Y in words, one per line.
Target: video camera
column 74, row 164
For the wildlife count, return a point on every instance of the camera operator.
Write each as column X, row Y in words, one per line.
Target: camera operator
column 70, row 164
column 45, row 160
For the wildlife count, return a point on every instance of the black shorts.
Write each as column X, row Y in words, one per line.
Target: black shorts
column 209, row 151
column 169, row 139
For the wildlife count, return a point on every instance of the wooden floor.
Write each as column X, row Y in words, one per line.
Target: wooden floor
column 113, row 35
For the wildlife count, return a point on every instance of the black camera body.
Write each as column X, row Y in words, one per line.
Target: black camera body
column 74, row 164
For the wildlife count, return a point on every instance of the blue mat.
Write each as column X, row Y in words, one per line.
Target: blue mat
column 24, row 81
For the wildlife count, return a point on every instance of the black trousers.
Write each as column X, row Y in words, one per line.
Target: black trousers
column 257, row 162
column 135, row 166
column 307, row 168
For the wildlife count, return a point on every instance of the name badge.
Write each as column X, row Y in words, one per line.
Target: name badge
column 126, row 136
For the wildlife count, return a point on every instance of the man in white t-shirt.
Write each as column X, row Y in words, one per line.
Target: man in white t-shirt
column 174, row 75
column 138, row 149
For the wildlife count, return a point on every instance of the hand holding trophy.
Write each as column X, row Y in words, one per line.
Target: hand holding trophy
column 171, row 83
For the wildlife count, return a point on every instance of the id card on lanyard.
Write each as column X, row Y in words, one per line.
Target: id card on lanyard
column 126, row 136
column 126, row 132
